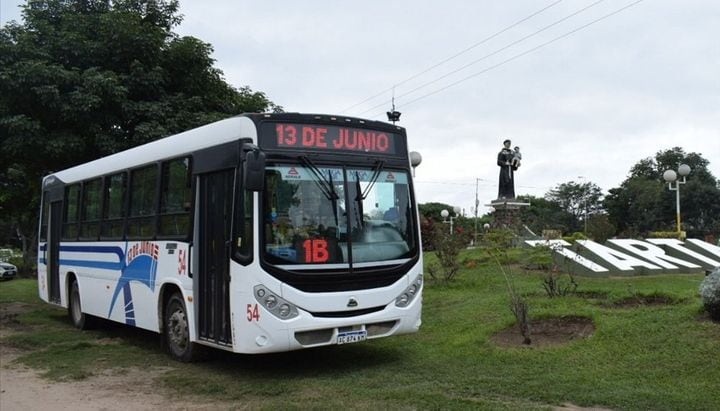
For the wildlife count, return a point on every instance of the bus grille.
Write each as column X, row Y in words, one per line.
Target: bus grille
column 352, row 313
column 315, row 336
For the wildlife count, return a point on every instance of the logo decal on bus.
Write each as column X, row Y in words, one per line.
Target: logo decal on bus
column 293, row 173
column 140, row 266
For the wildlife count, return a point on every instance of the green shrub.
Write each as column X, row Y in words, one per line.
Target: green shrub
column 518, row 304
column 500, row 238
column 447, row 250
column 556, row 286
column 599, row 228
column 575, row 236
column 537, row 258
column 24, row 270
column 666, row 234
column 710, row 294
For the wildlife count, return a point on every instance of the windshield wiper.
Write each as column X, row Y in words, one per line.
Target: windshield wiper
column 326, row 185
column 373, row 179
column 361, row 195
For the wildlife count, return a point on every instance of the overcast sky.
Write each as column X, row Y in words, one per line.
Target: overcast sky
column 591, row 103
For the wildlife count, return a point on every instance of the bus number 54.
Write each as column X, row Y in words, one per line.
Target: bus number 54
column 253, row 313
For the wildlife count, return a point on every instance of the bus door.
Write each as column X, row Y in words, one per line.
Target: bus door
column 216, row 197
column 53, row 251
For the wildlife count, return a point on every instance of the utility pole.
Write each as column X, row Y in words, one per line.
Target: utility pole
column 585, row 196
column 477, row 204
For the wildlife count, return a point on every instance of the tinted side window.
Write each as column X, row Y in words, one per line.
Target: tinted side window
column 44, row 217
column 143, row 190
column 175, row 198
column 70, row 221
column 243, row 223
column 114, row 205
column 90, row 227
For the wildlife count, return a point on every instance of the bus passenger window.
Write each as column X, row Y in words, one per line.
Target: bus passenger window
column 143, row 187
column 72, row 197
column 114, row 205
column 175, row 198
column 90, row 225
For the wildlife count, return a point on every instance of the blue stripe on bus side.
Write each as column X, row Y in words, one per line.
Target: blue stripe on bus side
column 94, row 249
column 102, row 265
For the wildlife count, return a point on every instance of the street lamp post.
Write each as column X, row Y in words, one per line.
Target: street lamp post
column 445, row 214
column 671, row 177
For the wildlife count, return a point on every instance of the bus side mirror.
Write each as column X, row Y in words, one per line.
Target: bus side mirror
column 254, row 172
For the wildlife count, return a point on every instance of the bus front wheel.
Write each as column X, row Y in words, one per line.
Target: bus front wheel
column 177, row 331
column 79, row 319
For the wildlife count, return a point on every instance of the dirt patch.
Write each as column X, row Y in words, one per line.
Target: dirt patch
column 547, row 332
column 704, row 317
column 637, row 301
column 591, row 295
column 127, row 388
column 23, row 388
column 573, row 407
column 9, row 323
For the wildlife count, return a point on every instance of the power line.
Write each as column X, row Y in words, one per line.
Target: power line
column 483, row 41
column 448, row 183
column 485, row 57
column 488, row 183
column 518, row 55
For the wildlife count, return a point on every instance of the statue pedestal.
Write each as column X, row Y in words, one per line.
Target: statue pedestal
column 507, row 214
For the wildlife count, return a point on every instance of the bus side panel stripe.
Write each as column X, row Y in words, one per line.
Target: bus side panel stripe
column 102, row 265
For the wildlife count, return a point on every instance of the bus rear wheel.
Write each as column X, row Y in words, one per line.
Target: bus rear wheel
column 177, row 331
column 79, row 319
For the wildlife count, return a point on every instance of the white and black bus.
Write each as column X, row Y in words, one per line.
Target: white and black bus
column 258, row 233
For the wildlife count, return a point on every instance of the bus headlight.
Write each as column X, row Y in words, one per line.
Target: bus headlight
column 409, row 294
column 284, row 310
column 402, row 300
column 275, row 304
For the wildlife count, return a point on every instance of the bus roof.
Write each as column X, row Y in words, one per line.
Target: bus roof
column 209, row 135
column 219, row 132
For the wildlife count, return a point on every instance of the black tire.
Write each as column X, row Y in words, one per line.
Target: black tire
column 79, row 319
column 177, row 331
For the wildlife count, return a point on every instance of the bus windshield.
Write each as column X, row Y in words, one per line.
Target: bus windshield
column 336, row 216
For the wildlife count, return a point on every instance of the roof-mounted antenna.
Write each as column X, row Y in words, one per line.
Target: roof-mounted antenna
column 393, row 115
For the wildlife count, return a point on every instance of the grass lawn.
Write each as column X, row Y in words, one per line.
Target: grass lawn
column 648, row 357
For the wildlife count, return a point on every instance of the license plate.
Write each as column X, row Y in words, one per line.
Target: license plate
column 351, row 337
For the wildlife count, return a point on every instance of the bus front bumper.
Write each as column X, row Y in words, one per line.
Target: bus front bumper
column 306, row 330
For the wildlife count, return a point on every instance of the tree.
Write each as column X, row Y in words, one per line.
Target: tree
column 577, row 199
column 432, row 210
column 599, row 228
column 635, row 208
column 643, row 203
column 430, row 220
column 543, row 214
column 83, row 79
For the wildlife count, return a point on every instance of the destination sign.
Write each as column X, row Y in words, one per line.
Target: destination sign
column 329, row 137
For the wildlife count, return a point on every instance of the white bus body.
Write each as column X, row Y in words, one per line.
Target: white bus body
column 166, row 237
